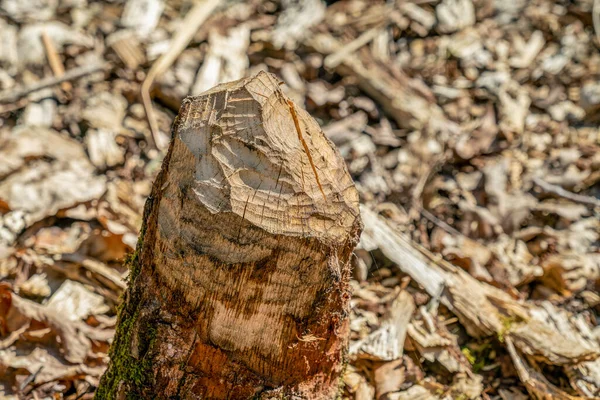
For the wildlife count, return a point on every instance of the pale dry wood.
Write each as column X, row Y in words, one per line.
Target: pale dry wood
column 226, row 60
column 433, row 341
column 142, row 15
column 12, row 95
column 8, row 43
column 347, row 129
column 189, row 26
column 295, row 21
column 483, row 309
column 537, row 385
column 248, row 235
column 406, row 100
column 127, row 46
column 97, row 268
column 559, row 191
column 103, row 149
column 417, row 392
column 387, row 342
column 585, row 378
column 44, row 172
column 255, row 167
column 454, row 15
column 347, row 50
column 54, row 60
column 528, row 51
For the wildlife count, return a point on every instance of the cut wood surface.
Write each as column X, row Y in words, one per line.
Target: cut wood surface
column 239, row 285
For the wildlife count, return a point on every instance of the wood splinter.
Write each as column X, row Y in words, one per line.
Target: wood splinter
column 239, row 287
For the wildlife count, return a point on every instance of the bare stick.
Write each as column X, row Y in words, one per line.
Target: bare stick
column 54, row 60
column 335, row 59
column 10, row 95
column 189, row 26
column 560, row 192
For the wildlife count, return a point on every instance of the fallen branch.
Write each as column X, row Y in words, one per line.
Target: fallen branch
column 403, row 98
column 13, row 95
column 565, row 194
column 539, row 332
column 347, row 50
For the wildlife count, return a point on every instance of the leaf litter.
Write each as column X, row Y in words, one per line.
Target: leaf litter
column 469, row 126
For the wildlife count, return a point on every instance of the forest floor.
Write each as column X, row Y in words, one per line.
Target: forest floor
column 469, row 126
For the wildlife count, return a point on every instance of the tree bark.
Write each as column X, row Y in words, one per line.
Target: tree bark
column 239, row 284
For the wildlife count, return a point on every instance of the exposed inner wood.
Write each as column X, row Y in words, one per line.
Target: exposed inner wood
column 244, row 264
column 305, row 146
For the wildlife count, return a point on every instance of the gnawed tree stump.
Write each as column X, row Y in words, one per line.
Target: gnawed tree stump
column 239, row 284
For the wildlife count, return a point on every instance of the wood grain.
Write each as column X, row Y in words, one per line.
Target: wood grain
column 250, row 227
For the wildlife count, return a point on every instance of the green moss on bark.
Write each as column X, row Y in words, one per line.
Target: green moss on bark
column 124, row 369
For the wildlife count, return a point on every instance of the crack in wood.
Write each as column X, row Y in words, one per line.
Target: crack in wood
column 304, row 145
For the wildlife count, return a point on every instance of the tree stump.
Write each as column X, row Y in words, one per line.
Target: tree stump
column 239, row 287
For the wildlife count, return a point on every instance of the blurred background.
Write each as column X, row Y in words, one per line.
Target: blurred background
column 469, row 126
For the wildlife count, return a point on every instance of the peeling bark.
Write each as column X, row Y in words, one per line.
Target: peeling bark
column 239, row 285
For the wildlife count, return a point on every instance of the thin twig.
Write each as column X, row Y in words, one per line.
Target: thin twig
column 438, row 222
column 189, row 26
column 30, row 378
column 335, row 59
column 54, row 60
column 86, row 391
column 560, row 192
column 12, row 107
column 12, row 95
